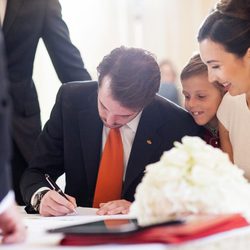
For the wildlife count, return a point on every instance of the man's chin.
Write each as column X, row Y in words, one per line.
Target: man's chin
column 112, row 126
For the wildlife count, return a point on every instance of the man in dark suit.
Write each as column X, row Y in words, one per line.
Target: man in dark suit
column 73, row 139
column 25, row 22
column 11, row 226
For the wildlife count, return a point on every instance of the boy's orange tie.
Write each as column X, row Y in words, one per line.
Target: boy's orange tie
column 110, row 174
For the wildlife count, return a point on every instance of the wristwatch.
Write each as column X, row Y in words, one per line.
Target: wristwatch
column 37, row 199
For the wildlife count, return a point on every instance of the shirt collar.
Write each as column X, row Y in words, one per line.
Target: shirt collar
column 133, row 124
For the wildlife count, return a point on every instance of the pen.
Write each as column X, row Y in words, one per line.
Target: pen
column 55, row 187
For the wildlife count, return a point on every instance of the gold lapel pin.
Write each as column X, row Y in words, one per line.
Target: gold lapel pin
column 149, row 142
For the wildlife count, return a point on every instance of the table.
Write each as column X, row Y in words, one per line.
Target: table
column 40, row 240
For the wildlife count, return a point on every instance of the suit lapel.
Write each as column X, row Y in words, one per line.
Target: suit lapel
column 12, row 9
column 146, row 142
column 91, row 138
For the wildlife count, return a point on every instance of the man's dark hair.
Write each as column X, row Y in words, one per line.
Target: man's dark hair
column 134, row 75
column 229, row 25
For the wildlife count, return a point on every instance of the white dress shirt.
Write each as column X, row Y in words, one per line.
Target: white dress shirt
column 128, row 135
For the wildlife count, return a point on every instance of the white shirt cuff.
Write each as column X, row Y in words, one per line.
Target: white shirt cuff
column 38, row 191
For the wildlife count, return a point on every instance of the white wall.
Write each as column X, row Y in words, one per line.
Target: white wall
column 165, row 27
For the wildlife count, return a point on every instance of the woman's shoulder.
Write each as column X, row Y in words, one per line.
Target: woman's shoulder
column 229, row 100
column 231, row 107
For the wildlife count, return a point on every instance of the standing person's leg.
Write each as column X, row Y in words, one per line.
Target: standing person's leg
column 19, row 164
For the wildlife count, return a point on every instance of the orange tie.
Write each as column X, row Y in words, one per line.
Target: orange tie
column 110, row 174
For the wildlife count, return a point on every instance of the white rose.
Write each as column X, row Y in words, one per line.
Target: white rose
column 192, row 177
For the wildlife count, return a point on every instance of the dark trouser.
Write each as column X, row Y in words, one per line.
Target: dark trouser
column 19, row 165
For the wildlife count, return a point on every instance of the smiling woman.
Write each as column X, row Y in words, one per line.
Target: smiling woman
column 227, row 68
column 224, row 40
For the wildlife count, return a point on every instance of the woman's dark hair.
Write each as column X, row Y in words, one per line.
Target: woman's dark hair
column 229, row 25
column 134, row 75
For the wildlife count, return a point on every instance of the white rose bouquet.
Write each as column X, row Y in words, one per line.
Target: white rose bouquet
column 191, row 178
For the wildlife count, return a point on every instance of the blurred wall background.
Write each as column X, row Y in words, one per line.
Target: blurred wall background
column 168, row 28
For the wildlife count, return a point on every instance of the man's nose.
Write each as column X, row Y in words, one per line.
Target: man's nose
column 110, row 119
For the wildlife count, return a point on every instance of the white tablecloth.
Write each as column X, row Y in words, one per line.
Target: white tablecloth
column 38, row 238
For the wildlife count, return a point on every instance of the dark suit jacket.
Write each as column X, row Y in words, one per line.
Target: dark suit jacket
column 72, row 139
column 26, row 21
column 4, row 128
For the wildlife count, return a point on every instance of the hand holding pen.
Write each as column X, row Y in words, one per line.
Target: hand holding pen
column 55, row 202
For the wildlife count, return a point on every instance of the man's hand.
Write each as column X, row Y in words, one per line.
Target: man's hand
column 114, row 207
column 54, row 204
column 13, row 230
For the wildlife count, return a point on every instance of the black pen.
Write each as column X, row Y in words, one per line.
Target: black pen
column 55, row 187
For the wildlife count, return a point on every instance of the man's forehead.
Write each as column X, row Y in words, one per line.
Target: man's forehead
column 105, row 82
